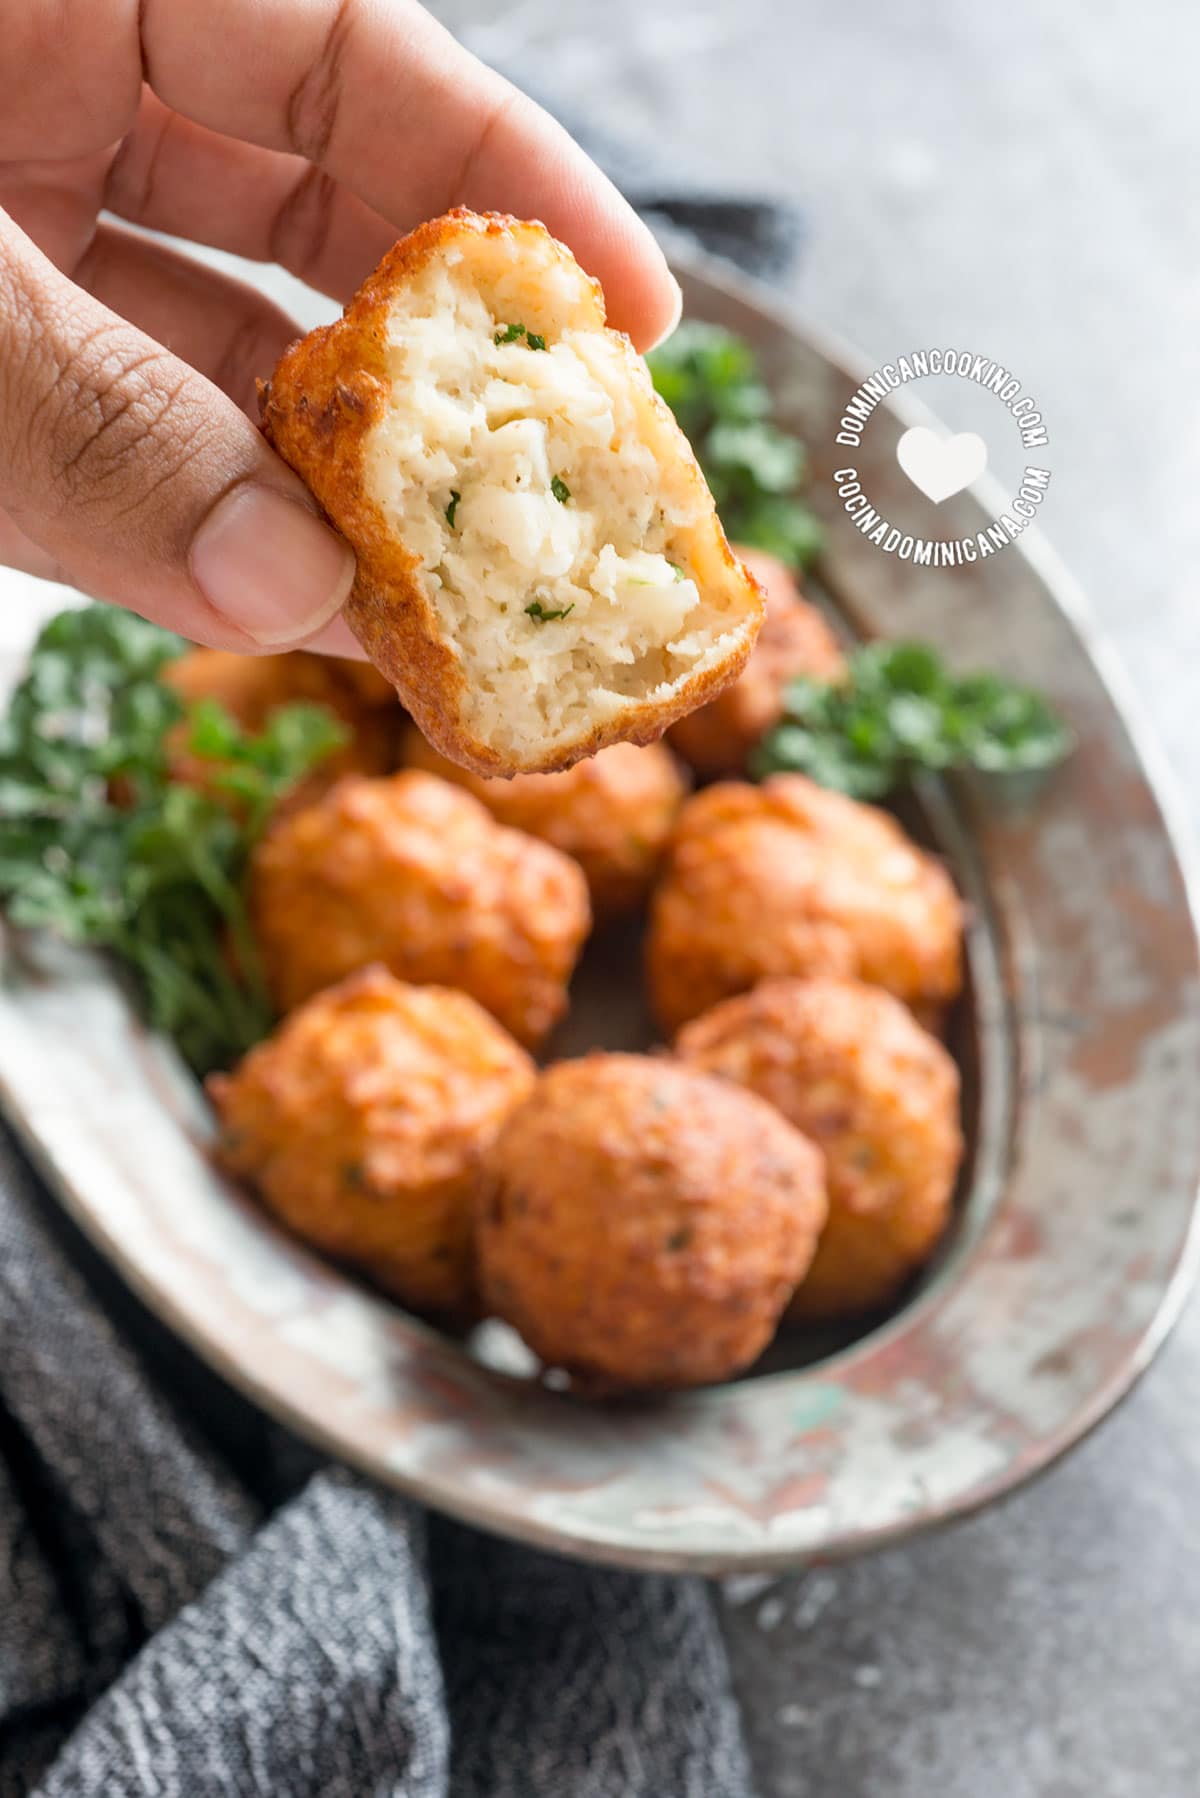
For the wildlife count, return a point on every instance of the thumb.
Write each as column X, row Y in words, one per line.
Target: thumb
column 142, row 482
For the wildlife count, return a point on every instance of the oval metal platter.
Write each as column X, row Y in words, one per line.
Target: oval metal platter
column 1074, row 1240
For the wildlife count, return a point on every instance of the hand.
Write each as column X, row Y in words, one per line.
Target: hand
column 306, row 132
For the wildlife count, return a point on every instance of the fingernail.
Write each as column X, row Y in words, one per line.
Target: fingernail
column 270, row 566
column 676, row 315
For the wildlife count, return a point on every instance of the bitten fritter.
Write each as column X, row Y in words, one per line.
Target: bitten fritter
column 612, row 813
column 540, row 566
column 645, row 1225
column 717, row 739
column 415, row 873
column 363, row 1122
column 850, row 1067
column 250, row 688
column 790, row 878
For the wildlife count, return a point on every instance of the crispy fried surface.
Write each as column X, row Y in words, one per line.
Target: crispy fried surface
column 788, row 878
column 415, row 873
column 851, row 1068
column 362, row 1123
column 717, row 739
column 645, row 1225
column 612, row 813
column 252, row 687
column 323, row 410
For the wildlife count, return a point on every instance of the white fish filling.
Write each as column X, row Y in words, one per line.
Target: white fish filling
column 560, row 572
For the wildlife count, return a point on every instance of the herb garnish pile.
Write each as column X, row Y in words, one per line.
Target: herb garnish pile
column 99, row 844
column 710, row 380
column 900, row 709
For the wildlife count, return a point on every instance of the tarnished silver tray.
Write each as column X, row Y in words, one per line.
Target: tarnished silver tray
column 1075, row 1236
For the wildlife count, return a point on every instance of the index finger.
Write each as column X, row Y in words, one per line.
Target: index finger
column 375, row 92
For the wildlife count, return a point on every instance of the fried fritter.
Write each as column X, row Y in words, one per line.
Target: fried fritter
column 717, row 739
column 789, row 878
column 541, row 570
column 415, row 873
column 612, row 813
column 362, row 1123
column 850, row 1067
column 250, row 688
column 645, row 1225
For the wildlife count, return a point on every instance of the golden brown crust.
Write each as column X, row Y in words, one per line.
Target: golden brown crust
column 363, row 1122
column 788, row 878
column 795, row 639
column 646, row 1224
column 325, row 396
column 851, row 1068
column 612, row 813
column 416, row 874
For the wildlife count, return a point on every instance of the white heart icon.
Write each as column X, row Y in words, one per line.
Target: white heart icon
column 941, row 466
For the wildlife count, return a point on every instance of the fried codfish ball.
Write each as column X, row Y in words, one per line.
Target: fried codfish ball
column 612, row 813
column 366, row 682
column 416, row 874
column 363, row 1121
column 540, row 566
column 645, row 1225
column 250, row 688
column 717, row 739
column 790, row 878
column 850, row 1067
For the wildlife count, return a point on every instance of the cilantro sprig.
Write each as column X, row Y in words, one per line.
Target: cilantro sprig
column 710, row 380
column 98, row 844
column 900, row 709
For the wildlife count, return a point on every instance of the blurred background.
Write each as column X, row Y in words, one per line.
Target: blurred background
column 1014, row 180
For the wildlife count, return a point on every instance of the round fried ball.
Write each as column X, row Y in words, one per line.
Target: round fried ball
column 850, row 1067
column 646, row 1225
column 366, row 682
column 250, row 688
column 717, row 738
column 362, row 1123
column 415, row 873
column 613, row 813
column 790, row 878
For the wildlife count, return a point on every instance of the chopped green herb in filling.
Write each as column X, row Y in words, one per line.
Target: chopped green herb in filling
column 509, row 333
column 540, row 615
column 452, row 508
column 560, row 490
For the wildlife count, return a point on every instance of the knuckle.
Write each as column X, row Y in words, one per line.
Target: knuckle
column 300, row 228
column 315, row 101
column 113, row 424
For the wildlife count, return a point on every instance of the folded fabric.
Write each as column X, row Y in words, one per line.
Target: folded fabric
column 169, row 1625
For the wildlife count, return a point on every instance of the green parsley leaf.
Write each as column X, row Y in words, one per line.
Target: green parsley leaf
column 99, row 844
column 452, row 508
column 560, row 490
column 535, row 341
column 509, row 333
column 900, row 709
column 540, row 615
column 710, row 380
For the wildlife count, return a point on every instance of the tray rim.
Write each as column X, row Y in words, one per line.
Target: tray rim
column 1067, row 597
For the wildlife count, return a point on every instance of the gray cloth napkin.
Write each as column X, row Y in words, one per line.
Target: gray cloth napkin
column 192, row 1603
column 170, row 1626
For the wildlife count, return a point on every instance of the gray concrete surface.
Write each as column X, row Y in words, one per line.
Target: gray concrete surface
column 1017, row 179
